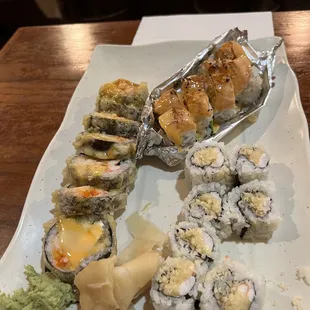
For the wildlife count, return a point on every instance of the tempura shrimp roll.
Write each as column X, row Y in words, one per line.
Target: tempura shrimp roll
column 208, row 162
column 250, row 163
column 257, row 219
column 104, row 146
column 105, row 174
column 72, row 243
column 173, row 285
column 111, row 124
column 197, row 103
column 230, row 286
column 123, row 98
column 178, row 126
column 168, row 99
column 196, row 243
column 88, row 200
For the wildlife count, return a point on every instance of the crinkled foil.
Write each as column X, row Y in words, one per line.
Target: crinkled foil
column 151, row 143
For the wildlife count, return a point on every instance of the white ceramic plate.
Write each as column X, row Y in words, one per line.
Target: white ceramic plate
column 281, row 126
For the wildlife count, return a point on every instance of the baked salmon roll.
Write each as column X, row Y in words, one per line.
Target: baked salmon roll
column 168, row 99
column 250, row 163
column 105, row 174
column 178, row 126
column 206, row 204
column 88, row 200
column 196, row 243
column 230, row 286
column 173, row 285
column 208, row 162
column 230, row 50
column 104, row 146
column 197, row 103
column 111, row 124
column 72, row 243
column 123, row 98
column 257, row 219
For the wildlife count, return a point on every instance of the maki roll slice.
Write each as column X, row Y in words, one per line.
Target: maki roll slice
column 178, row 126
column 250, row 163
column 196, row 243
column 229, row 286
column 111, row 124
column 104, row 146
column 173, row 285
column 88, row 200
column 208, row 162
column 197, row 103
column 257, row 218
column 105, row 174
column 168, row 99
column 205, row 204
column 72, row 243
column 123, row 98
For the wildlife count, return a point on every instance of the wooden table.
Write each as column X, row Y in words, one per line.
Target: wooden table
column 39, row 70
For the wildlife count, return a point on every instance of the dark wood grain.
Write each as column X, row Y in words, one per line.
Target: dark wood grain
column 39, row 70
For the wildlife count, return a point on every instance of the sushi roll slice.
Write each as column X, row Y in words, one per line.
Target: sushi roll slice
column 72, row 243
column 178, row 126
column 229, row 286
column 207, row 162
column 205, row 203
column 168, row 99
column 230, row 50
column 257, row 219
column 88, row 200
column 104, row 146
column 111, row 124
column 250, row 163
column 105, row 174
column 196, row 243
column 173, row 285
column 197, row 103
column 122, row 97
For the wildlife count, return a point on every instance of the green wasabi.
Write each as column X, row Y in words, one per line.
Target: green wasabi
column 44, row 292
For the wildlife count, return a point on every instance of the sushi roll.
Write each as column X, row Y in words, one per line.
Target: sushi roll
column 257, row 218
column 230, row 50
column 197, row 103
column 88, row 200
column 229, row 286
column 111, row 124
column 207, row 162
column 173, row 285
column 72, row 243
column 105, row 174
column 205, row 203
column 104, row 146
column 168, row 99
column 250, row 163
column 178, row 126
column 196, row 243
column 123, row 98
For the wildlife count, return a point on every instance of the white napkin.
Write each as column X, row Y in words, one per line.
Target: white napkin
column 201, row 27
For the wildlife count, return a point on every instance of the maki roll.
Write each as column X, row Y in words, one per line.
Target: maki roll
column 168, row 99
column 207, row 162
column 196, row 243
column 72, row 243
column 123, row 98
column 88, row 200
column 197, row 103
column 173, row 285
column 250, row 163
column 228, row 286
column 104, row 146
column 178, row 126
column 111, row 124
column 205, row 203
column 257, row 218
column 105, row 174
